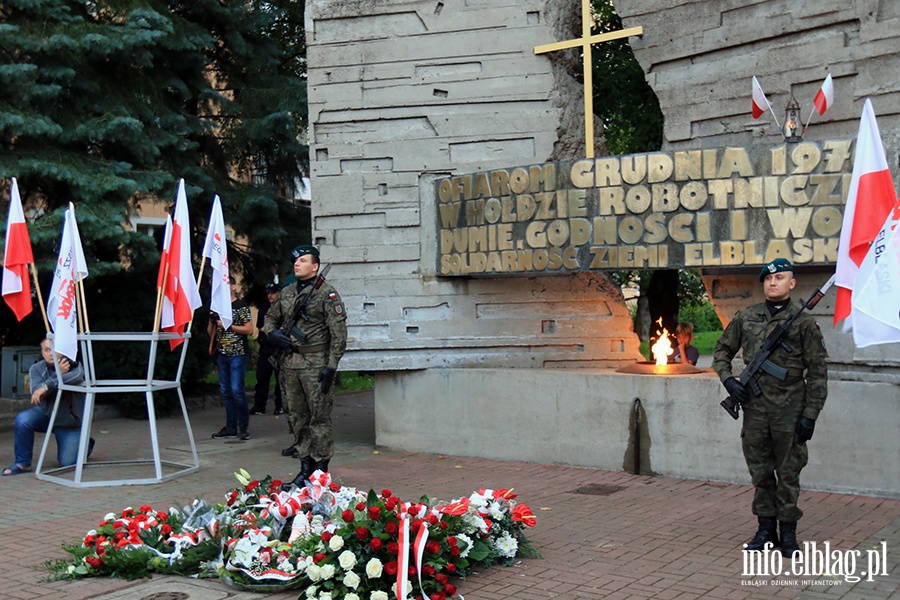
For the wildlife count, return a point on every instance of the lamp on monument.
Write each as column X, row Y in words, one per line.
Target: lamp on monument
column 792, row 131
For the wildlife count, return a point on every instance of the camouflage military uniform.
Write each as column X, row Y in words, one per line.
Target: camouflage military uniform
column 773, row 456
column 321, row 343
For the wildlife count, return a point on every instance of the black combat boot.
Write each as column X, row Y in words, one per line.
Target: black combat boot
column 323, row 465
column 789, row 543
column 767, row 533
column 307, row 466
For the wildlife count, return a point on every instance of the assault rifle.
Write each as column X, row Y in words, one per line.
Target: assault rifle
column 761, row 361
column 298, row 313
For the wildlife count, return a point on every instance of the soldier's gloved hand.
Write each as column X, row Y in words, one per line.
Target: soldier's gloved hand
column 804, row 430
column 737, row 390
column 326, row 376
column 280, row 339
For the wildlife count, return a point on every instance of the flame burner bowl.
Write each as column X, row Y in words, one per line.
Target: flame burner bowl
column 649, row 367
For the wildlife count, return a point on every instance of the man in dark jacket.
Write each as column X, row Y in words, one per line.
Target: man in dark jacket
column 67, row 427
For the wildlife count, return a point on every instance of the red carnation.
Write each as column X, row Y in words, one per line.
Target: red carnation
column 441, row 578
column 386, row 493
column 334, row 487
column 95, row 561
column 393, row 548
column 391, row 568
column 275, row 486
column 166, row 529
column 444, row 525
column 375, row 544
column 374, row 512
column 433, row 518
column 450, row 589
column 451, row 568
column 318, row 557
column 362, row 533
column 146, row 508
column 391, row 528
column 128, row 512
column 162, row 517
column 252, row 485
column 89, row 541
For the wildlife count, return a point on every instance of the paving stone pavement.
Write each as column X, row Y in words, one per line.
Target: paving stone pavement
column 601, row 534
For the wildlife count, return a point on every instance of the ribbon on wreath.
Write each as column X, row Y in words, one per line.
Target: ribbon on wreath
column 403, row 557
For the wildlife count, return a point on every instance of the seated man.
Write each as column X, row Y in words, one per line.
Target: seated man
column 67, row 428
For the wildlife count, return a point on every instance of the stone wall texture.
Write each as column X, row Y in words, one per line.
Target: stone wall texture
column 404, row 92
column 699, row 57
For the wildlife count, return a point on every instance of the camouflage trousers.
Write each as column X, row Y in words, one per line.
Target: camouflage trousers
column 774, row 457
column 308, row 410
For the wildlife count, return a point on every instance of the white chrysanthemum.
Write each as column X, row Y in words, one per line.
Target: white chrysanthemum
column 335, row 543
column 317, row 524
column 496, row 510
column 373, row 569
column 378, row 596
column 314, row 572
column 479, row 501
column 347, row 560
column 506, row 545
column 465, row 544
column 328, row 571
column 351, row 580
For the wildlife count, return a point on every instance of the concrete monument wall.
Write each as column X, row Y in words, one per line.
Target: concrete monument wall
column 405, row 93
column 402, row 93
column 700, row 56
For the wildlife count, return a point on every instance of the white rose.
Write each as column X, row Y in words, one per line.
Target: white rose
column 351, row 596
column 347, row 560
column 378, row 595
column 327, row 571
column 325, row 596
column 351, row 580
column 373, row 571
column 336, row 543
column 311, row 591
column 314, row 572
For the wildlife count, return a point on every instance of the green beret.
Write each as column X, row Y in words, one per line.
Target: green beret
column 303, row 250
column 776, row 266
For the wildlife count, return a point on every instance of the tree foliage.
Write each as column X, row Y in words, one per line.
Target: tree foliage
column 107, row 103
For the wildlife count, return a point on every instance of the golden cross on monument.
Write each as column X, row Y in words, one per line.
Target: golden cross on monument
column 585, row 42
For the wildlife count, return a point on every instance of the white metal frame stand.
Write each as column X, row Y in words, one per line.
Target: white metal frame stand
column 91, row 386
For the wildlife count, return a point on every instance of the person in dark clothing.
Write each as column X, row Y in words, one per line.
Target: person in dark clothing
column 264, row 368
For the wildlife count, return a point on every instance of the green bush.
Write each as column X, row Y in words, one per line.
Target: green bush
column 703, row 316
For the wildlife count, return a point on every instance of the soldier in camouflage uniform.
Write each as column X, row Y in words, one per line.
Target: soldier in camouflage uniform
column 310, row 356
column 779, row 422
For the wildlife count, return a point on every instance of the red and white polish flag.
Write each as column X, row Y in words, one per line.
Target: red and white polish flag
column 825, row 96
column 16, row 258
column 869, row 202
column 180, row 295
column 760, row 102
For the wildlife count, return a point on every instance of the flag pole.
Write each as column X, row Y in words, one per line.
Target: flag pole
column 37, row 287
column 81, row 307
column 157, row 316
column 809, row 118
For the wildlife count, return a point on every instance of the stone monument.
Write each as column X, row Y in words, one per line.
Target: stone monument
column 486, row 316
